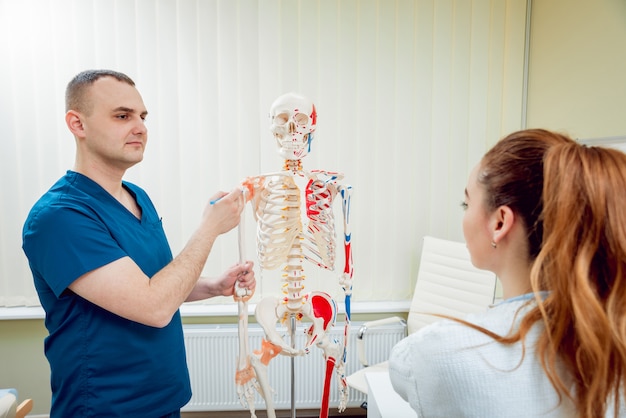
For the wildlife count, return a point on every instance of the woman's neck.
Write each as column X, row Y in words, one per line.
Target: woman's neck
column 515, row 278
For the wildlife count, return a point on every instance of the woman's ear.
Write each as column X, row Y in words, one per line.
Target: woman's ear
column 502, row 221
column 74, row 122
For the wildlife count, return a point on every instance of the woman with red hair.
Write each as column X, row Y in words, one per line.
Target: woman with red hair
column 548, row 216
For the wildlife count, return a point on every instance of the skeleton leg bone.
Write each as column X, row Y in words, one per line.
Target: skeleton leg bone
column 332, row 352
column 260, row 361
column 324, row 309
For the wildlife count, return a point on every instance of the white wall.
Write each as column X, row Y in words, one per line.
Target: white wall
column 578, row 67
column 409, row 94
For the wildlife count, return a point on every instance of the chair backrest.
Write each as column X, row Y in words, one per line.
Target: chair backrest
column 448, row 284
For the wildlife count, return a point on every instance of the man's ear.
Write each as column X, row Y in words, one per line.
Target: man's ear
column 502, row 222
column 74, row 122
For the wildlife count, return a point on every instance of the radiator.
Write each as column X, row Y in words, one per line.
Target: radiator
column 212, row 353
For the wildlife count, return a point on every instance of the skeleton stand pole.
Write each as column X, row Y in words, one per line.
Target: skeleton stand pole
column 292, row 319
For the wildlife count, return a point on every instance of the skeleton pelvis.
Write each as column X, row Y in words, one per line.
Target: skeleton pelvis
column 317, row 307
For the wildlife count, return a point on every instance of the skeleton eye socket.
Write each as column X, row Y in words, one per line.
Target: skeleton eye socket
column 301, row 119
column 281, row 119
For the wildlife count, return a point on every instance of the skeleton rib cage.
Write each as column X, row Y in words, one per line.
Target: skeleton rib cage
column 279, row 221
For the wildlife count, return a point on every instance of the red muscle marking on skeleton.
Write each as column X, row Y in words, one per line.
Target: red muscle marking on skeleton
column 322, row 308
column 312, row 207
column 317, row 201
column 313, row 115
column 330, row 365
column 348, row 266
column 310, row 200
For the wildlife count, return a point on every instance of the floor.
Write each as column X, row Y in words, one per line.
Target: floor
column 309, row 413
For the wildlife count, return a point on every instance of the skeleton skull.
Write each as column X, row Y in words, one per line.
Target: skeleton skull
column 292, row 121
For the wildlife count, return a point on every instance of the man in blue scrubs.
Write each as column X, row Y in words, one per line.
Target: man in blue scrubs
column 104, row 271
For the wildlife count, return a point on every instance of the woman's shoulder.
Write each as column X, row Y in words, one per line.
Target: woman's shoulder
column 445, row 336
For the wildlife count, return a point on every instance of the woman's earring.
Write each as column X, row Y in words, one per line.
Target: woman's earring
column 493, row 244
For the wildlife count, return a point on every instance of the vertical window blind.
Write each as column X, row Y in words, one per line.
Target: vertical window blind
column 409, row 93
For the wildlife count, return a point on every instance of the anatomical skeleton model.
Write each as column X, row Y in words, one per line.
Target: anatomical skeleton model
column 283, row 241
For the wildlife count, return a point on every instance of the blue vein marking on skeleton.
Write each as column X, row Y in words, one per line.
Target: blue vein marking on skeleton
column 308, row 141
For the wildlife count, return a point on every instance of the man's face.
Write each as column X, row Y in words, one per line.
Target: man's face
column 114, row 124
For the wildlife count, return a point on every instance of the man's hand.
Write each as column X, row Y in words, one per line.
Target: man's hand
column 240, row 275
column 223, row 211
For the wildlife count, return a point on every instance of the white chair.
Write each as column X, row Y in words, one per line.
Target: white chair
column 447, row 284
column 9, row 407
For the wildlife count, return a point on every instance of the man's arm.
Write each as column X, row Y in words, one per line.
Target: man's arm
column 241, row 275
column 121, row 286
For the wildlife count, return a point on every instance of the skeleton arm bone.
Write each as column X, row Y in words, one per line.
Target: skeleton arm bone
column 245, row 377
column 346, row 279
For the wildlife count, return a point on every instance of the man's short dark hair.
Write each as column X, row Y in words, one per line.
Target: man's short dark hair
column 75, row 98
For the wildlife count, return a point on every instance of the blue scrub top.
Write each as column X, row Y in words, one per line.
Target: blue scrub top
column 102, row 364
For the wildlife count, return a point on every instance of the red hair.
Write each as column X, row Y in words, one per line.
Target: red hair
column 572, row 200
